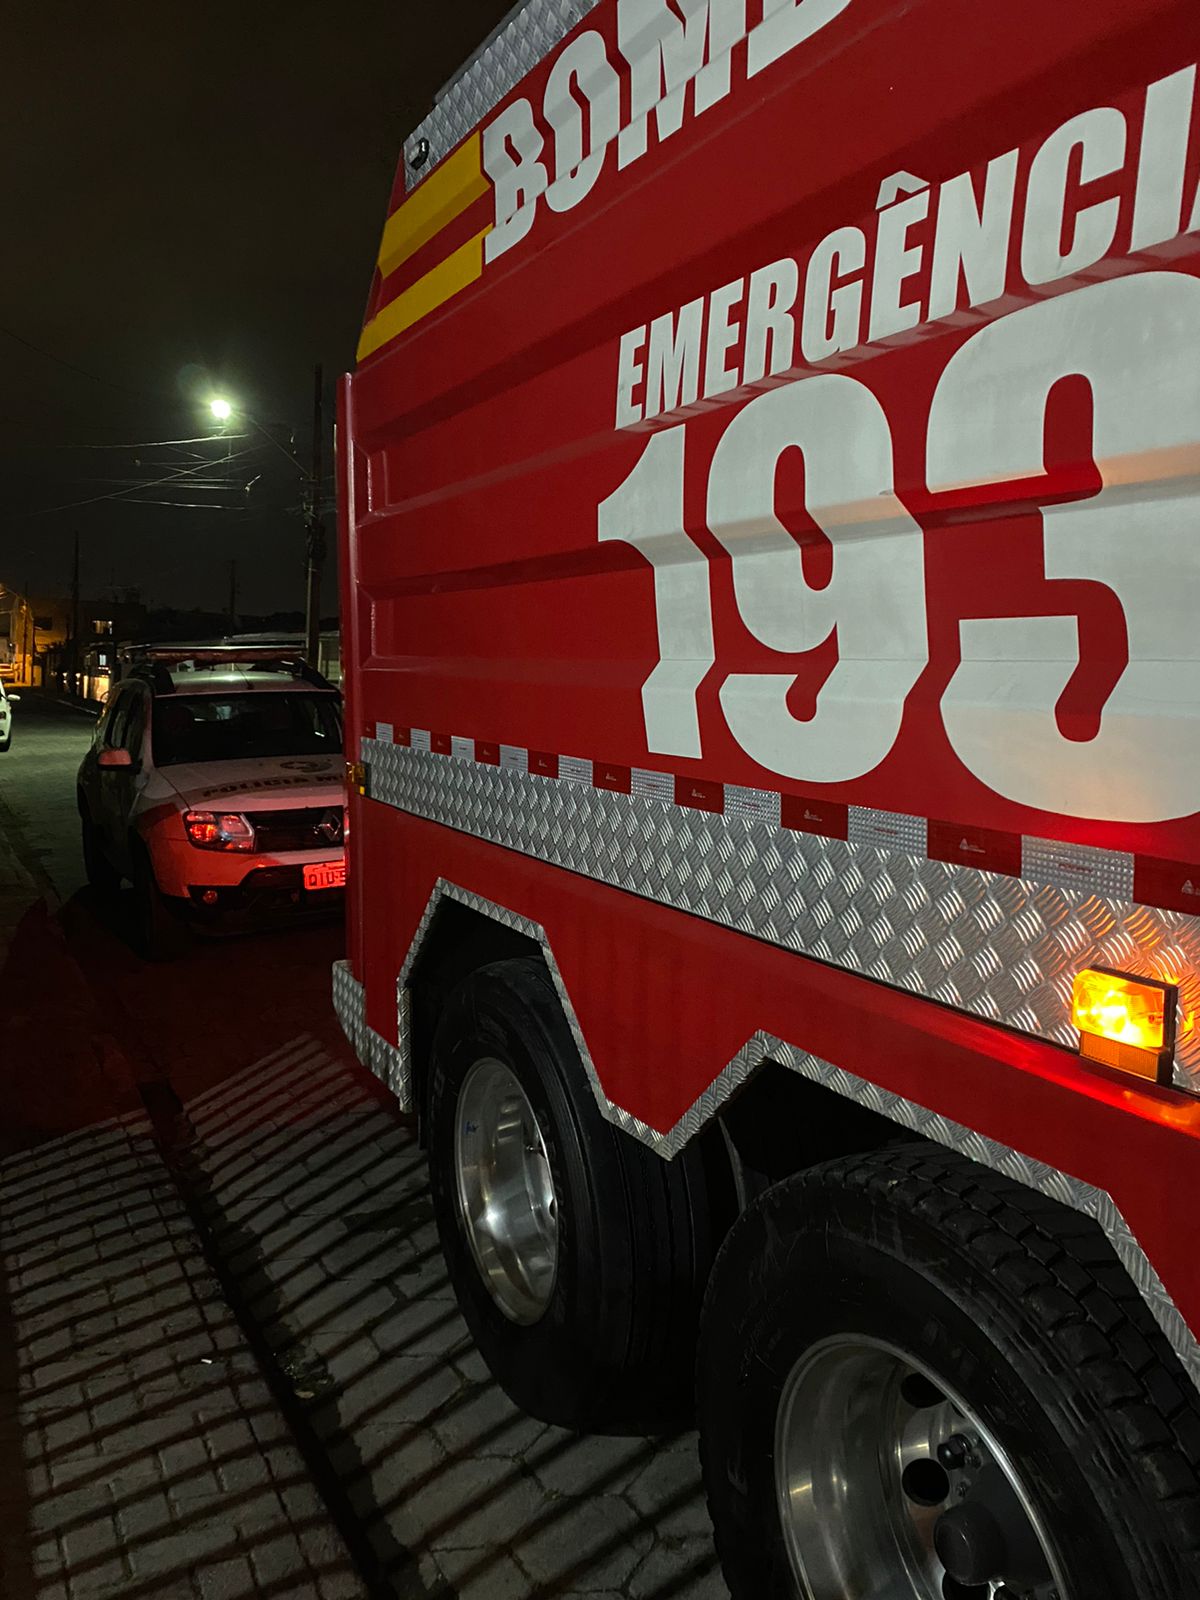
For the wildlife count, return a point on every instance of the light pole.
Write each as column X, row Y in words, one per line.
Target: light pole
column 315, row 541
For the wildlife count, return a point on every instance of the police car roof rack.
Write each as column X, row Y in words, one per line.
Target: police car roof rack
column 153, row 662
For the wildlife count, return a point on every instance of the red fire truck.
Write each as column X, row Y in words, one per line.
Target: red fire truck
column 771, row 576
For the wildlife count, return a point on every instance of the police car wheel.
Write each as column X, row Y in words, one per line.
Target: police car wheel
column 577, row 1255
column 158, row 935
column 102, row 876
column 918, row 1380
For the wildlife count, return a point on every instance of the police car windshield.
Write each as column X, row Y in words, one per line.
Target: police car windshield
column 239, row 727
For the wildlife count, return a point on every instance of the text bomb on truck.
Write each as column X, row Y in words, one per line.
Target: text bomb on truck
column 768, row 499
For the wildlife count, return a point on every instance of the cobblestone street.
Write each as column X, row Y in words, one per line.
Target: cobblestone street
column 155, row 1461
column 319, row 1201
column 231, row 1363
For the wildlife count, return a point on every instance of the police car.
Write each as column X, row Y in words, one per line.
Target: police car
column 215, row 785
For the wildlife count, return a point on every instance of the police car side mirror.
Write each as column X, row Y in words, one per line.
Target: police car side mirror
column 114, row 758
column 14, row 699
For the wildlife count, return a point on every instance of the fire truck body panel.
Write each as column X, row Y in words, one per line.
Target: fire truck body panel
column 666, row 1062
column 770, row 570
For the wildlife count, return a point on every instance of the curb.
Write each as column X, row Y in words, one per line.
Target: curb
column 49, row 700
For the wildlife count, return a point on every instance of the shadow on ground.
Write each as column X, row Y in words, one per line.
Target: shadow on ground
column 147, row 1458
column 317, row 1199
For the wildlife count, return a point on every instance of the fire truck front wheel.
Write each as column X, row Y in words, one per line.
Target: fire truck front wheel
column 920, row 1381
column 578, row 1256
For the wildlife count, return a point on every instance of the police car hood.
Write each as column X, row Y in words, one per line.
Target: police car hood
column 259, row 784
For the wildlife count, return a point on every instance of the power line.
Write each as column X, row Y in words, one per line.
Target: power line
column 153, row 483
column 70, row 421
column 155, row 444
column 69, row 366
column 139, row 483
column 191, row 505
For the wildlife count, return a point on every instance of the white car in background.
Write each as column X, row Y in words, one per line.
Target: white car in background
column 216, row 785
column 7, row 702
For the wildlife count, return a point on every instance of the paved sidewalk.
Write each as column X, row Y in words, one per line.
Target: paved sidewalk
column 142, row 1454
column 318, row 1200
column 155, row 1461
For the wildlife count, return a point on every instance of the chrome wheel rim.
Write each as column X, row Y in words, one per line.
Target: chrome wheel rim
column 506, row 1199
column 889, row 1486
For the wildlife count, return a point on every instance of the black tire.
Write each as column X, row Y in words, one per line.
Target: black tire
column 102, row 876
column 158, row 934
column 1015, row 1301
column 614, row 1348
column 5, row 743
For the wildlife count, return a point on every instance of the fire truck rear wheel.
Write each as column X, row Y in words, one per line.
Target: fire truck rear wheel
column 918, row 1379
column 578, row 1256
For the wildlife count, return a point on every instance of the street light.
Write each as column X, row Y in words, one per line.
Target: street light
column 222, row 410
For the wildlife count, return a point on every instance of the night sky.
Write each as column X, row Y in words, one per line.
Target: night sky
column 192, row 201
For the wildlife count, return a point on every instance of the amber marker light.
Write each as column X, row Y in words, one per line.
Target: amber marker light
column 1126, row 1022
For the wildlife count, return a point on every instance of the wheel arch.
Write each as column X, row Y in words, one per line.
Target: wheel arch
column 456, row 937
column 768, row 1078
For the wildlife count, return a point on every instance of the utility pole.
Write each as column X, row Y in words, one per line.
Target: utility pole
column 233, row 595
column 27, row 638
column 315, row 546
column 73, row 654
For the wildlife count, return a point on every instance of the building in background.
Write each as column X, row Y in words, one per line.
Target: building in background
column 38, row 645
column 16, row 623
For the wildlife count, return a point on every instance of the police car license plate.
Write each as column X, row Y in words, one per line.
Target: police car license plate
column 325, row 875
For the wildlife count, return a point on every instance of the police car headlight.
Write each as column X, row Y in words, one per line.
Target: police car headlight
column 215, row 830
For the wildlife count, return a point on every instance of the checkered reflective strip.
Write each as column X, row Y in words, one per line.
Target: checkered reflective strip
column 990, row 923
column 1146, row 880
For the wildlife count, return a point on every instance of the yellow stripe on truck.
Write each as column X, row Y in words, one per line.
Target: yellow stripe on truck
column 440, row 284
column 446, row 193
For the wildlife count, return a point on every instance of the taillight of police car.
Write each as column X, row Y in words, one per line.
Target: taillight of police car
column 215, row 830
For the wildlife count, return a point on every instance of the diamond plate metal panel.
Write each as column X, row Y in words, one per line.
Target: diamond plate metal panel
column 1005, row 949
column 520, row 43
column 387, row 1061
